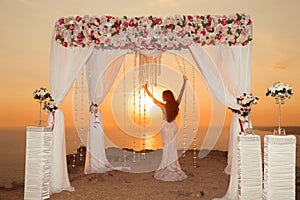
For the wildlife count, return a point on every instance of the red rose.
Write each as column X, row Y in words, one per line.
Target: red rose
column 131, row 22
column 98, row 20
column 218, row 36
column 224, row 21
column 97, row 41
column 108, row 17
column 65, row 44
column 190, row 18
column 203, row 32
column 78, row 18
column 61, row 21
column 89, row 25
column 57, row 37
column 244, row 43
column 249, row 22
column 158, row 21
column 209, row 19
column 125, row 24
column 208, row 28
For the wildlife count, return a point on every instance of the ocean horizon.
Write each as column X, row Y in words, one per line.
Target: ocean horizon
column 13, row 147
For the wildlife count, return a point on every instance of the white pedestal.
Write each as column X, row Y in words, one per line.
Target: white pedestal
column 38, row 163
column 279, row 167
column 249, row 167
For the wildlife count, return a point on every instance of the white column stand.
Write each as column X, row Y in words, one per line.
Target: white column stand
column 279, row 167
column 38, row 163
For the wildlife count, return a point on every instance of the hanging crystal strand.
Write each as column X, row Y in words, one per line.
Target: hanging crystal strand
column 140, row 113
column 124, row 106
column 74, row 156
column 134, row 105
column 194, row 124
column 81, row 153
column 82, row 103
column 144, row 127
column 184, row 126
column 75, row 100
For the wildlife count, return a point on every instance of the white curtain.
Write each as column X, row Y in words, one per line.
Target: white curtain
column 102, row 69
column 65, row 64
column 227, row 72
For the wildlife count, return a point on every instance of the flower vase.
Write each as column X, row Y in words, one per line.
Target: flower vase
column 279, row 131
column 40, row 116
column 248, row 130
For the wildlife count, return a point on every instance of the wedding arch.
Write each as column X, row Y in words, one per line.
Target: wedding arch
column 220, row 45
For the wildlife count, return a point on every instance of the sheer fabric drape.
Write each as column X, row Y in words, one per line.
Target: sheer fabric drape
column 102, row 69
column 226, row 70
column 65, row 64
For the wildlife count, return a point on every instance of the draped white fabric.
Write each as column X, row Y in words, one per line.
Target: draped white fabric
column 65, row 64
column 102, row 69
column 226, row 70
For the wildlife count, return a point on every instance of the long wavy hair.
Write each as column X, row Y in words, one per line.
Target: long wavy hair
column 172, row 106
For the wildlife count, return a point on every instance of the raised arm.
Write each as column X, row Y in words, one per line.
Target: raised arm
column 182, row 89
column 151, row 96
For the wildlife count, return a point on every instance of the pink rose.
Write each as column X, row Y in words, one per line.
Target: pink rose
column 90, row 36
column 208, row 28
column 72, row 26
column 79, row 35
column 79, row 41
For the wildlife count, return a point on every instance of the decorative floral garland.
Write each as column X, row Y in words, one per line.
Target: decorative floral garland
column 280, row 90
column 41, row 94
column 153, row 32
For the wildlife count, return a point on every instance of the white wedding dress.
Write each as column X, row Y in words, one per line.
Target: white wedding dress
column 169, row 168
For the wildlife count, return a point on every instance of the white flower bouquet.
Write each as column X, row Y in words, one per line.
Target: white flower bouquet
column 41, row 94
column 246, row 101
column 280, row 90
column 50, row 106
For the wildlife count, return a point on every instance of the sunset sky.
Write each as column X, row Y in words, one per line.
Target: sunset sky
column 27, row 26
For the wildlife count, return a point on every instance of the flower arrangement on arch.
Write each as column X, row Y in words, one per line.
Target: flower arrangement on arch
column 149, row 32
column 280, row 90
column 41, row 94
column 50, row 106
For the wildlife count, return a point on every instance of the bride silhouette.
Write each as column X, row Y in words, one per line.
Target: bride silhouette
column 169, row 168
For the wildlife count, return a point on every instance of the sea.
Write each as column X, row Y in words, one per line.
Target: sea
column 13, row 147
